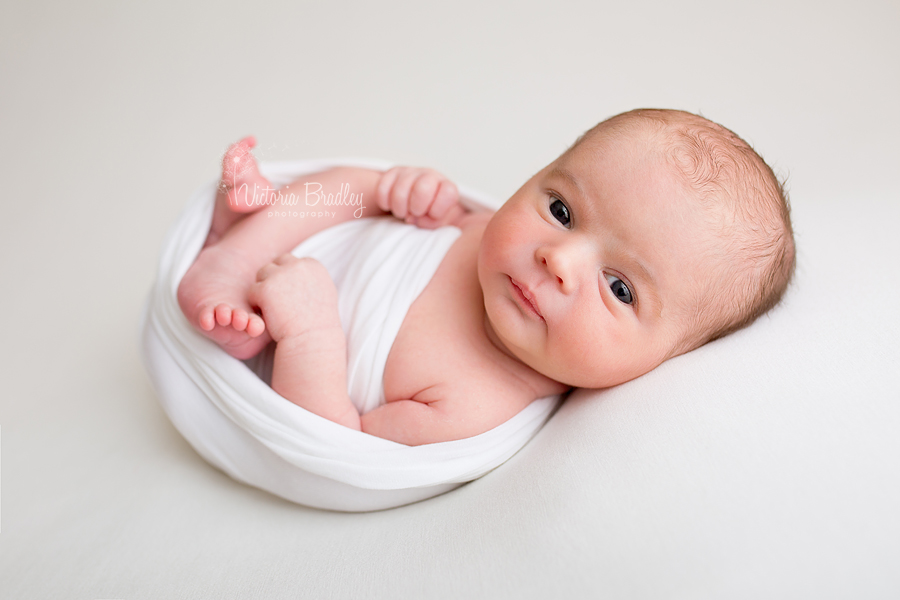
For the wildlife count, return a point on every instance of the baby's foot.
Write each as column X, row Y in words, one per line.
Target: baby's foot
column 213, row 296
column 225, row 315
column 241, row 178
column 242, row 189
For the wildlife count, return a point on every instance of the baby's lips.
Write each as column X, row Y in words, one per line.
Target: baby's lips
column 528, row 297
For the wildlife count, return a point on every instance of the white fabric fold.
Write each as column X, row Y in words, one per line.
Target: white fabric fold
column 239, row 424
column 380, row 266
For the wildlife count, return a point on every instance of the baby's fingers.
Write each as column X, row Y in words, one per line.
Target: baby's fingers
column 423, row 194
column 452, row 214
column 266, row 271
column 401, row 191
column 392, row 193
column 383, row 191
column 285, row 260
column 447, row 197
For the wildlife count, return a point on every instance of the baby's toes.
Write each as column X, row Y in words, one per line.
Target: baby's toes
column 223, row 315
column 207, row 318
column 255, row 325
column 239, row 319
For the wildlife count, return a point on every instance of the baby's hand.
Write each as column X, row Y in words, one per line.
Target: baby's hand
column 419, row 196
column 295, row 295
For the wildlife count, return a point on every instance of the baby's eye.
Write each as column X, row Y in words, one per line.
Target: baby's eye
column 560, row 212
column 619, row 289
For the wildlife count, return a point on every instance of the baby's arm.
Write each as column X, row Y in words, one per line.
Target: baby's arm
column 414, row 422
column 445, row 412
column 298, row 301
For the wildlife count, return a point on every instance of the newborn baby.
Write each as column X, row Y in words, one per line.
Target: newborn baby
column 656, row 232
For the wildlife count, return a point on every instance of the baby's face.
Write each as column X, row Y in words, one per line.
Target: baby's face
column 590, row 270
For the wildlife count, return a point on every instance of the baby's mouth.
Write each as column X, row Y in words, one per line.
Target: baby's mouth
column 526, row 298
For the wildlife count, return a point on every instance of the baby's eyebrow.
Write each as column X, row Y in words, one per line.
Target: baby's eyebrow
column 643, row 272
column 563, row 173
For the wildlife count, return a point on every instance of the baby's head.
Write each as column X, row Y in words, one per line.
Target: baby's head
column 655, row 233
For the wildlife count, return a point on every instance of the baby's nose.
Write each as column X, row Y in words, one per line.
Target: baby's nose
column 559, row 263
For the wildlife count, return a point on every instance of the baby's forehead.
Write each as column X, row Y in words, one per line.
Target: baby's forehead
column 604, row 157
column 632, row 167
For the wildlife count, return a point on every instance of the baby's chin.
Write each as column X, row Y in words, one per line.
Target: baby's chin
column 596, row 379
column 612, row 379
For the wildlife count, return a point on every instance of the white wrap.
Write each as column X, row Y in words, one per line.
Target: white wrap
column 239, row 424
column 380, row 266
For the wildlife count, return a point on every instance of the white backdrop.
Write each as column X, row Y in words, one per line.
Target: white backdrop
column 111, row 114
